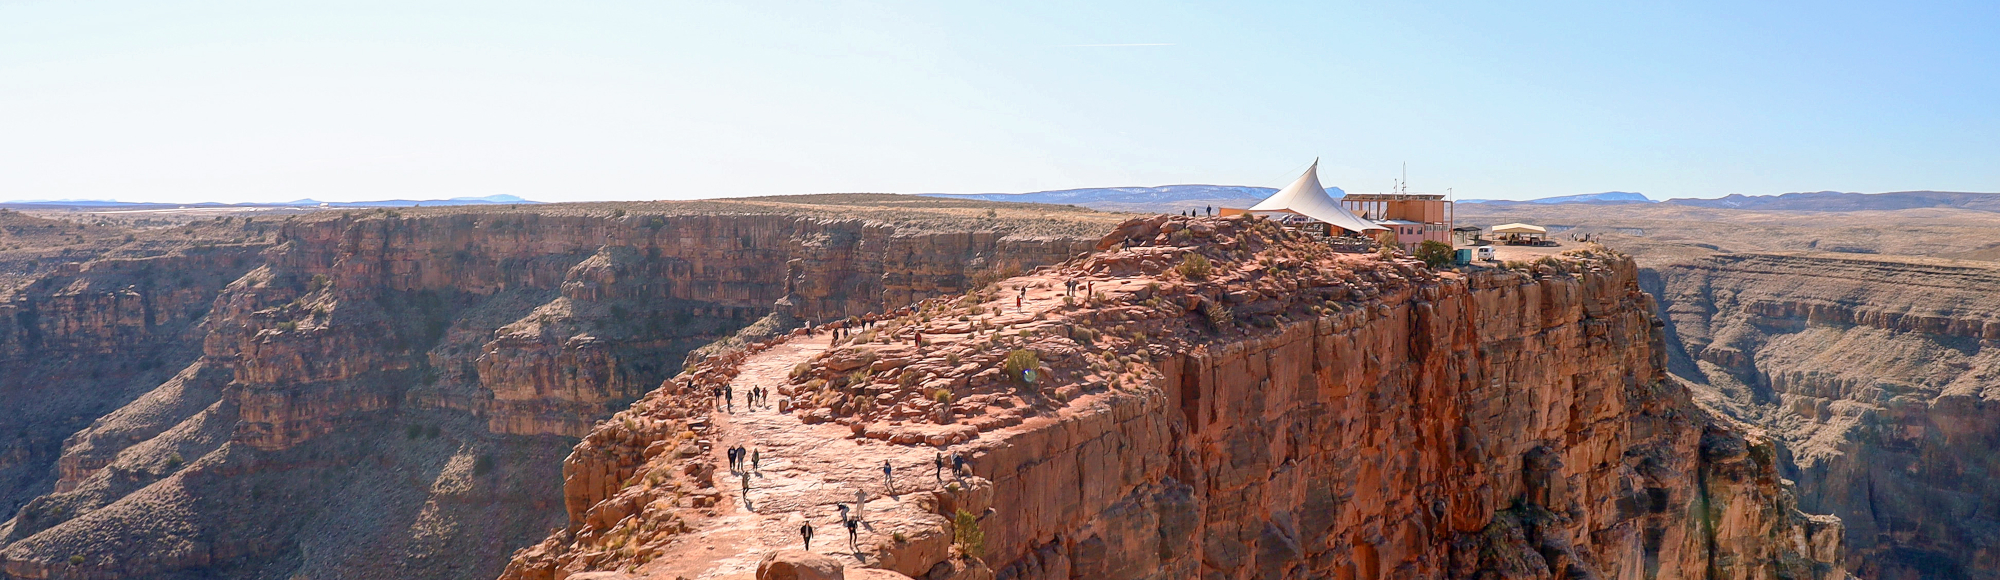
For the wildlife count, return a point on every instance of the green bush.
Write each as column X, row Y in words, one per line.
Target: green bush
column 1195, row 267
column 1434, row 253
column 1018, row 362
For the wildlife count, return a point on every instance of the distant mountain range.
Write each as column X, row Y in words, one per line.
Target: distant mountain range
column 104, row 204
column 1165, row 198
column 1844, row 201
column 1609, row 197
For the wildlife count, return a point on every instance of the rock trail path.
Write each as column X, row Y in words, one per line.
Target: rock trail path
column 804, row 473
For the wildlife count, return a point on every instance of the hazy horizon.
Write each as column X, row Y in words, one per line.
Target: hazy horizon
column 232, row 101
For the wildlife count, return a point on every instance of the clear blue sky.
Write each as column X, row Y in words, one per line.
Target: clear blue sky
column 259, row 100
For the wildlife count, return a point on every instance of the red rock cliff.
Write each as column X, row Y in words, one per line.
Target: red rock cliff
column 1284, row 412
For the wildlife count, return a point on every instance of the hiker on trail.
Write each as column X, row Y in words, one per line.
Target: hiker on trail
column 1211, row 210
column 939, row 462
column 1017, row 300
column 888, row 476
column 860, row 502
column 843, row 511
column 746, row 488
column 756, row 458
column 731, row 452
column 729, row 399
column 919, row 339
column 957, row 465
column 854, row 536
column 806, row 532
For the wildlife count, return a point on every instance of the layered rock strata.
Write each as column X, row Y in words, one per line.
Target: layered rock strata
column 1217, row 399
column 1878, row 378
column 377, row 395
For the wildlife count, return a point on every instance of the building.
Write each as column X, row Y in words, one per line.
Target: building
column 1414, row 217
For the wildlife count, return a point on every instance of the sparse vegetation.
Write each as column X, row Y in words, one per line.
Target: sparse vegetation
column 1195, row 267
column 1218, row 316
column 1018, row 363
column 1434, row 253
column 966, row 535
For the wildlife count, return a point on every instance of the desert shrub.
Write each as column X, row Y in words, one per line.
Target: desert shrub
column 800, row 370
column 1195, row 267
column 618, row 213
column 482, row 465
column 1018, row 362
column 288, row 326
column 1218, row 316
column 942, row 396
column 951, row 359
column 318, row 282
column 1434, row 253
column 1515, row 265
column 966, row 535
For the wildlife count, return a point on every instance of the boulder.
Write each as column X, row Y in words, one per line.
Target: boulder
column 799, row 565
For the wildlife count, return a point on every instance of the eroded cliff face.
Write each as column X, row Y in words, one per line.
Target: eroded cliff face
column 1878, row 377
column 1287, row 412
column 387, row 396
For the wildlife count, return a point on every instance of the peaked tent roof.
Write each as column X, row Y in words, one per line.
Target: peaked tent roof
column 1308, row 198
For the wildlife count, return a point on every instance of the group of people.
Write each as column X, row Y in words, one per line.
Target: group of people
column 851, row 517
column 1194, row 213
column 739, row 458
column 753, row 398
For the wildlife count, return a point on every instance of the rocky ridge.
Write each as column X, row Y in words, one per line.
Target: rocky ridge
column 1219, row 399
column 379, row 393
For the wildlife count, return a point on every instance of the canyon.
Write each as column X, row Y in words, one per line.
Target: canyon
column 391, row 393
column 423, row 392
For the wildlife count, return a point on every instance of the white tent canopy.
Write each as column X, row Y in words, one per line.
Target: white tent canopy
column 1308, row 198
column 1519, row 228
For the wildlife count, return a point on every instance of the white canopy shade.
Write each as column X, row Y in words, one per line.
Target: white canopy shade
column 1308, row 198
column 1519, row 228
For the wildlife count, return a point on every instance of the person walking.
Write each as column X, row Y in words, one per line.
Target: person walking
column 888, row 477
column 756, row 460
column 939, row 462
column 806, row 533
column 854, row 536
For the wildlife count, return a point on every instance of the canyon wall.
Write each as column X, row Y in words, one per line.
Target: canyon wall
column 1295, row 413
column 1879, row 379
column 381, row 395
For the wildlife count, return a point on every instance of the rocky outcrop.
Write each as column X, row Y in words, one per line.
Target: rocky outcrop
column 1875, row 375
column 382, row 391
column 1225, row 399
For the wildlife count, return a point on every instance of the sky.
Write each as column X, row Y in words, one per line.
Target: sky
column 223, row 100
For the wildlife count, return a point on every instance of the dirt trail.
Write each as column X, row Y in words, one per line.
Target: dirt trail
column 804, row 472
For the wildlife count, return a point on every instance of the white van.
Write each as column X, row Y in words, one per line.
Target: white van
column 1486, row 253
